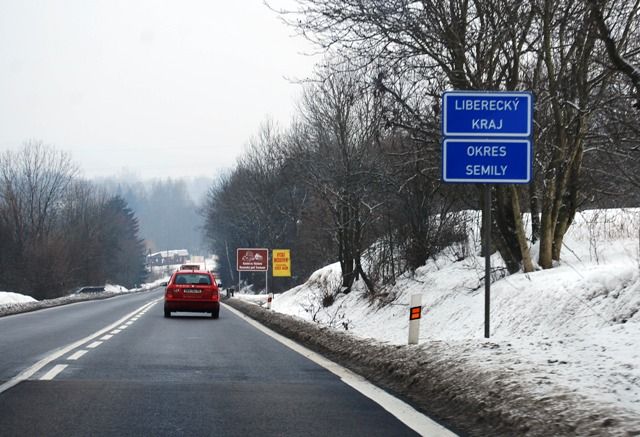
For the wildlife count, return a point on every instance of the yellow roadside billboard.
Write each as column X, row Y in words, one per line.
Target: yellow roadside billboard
column 281, row 262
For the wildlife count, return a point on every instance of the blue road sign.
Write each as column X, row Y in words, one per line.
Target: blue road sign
column 487, row 114
column 475, row 160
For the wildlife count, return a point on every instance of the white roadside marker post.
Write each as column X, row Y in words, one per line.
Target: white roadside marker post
column 415, row 312
column 269, row 299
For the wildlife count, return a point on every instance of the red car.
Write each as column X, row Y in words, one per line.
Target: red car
column 192, row 291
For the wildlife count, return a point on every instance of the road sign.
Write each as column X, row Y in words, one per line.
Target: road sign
column 487, row 114
column 252, row 260
column 487, row 139
column 475, row 160
column 281, row 262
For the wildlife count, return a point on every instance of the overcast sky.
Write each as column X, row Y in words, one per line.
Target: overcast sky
column 151, row 87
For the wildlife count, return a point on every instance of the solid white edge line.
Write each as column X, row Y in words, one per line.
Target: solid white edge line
column 77, row 355
column 53, row 372
column 27, row 373
column 408, row 415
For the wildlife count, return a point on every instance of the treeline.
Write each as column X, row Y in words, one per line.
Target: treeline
column 359, row 167
column 168, row 210
column 58, row 231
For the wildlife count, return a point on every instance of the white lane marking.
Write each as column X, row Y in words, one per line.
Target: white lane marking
column 408, row 415
column 29, row 372
column 77, row 355
column 94, row 345
column 106, row 337
column 123, row 327
column 53, row 372
column 57, row 308
column 116, row 331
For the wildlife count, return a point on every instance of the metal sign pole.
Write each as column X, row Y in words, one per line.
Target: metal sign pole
column 486, row 216
column 487, row 139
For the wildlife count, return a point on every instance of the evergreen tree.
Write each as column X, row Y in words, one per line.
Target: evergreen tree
column 123, row 249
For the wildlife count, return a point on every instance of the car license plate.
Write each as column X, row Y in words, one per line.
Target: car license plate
column 191, row 290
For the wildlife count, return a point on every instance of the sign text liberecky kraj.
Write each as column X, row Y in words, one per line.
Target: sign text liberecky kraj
column 487, row 137
column 483, row 114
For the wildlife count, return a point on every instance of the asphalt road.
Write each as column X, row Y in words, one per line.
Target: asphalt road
column 117, row 367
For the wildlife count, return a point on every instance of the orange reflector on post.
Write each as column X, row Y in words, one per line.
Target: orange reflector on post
column 415, row 313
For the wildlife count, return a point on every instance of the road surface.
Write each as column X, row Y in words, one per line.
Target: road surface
column 117, row 367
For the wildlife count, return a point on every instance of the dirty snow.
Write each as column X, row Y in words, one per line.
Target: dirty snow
column 573, row 328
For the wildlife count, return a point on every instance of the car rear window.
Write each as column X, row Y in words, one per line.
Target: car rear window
column 193, row 278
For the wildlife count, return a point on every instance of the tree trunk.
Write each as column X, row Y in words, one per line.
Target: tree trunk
column 522, row 239
column 547, row 227
column 365, row 278
column 534, row 208
column 505, row 226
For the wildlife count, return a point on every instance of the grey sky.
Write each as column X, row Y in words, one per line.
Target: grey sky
column 154, row 87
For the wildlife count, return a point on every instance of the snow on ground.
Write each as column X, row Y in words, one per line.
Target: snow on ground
column 13, row 303
column 110, row 288
column 7, row 298
column 574, row 326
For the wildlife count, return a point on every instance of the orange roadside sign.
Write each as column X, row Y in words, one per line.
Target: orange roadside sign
column 415, row 313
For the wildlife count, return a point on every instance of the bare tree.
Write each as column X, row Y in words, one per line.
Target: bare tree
column 420, row 48
column 338, row 149
column 624, row 17
column 59, row 232
column 33, row 183
column 265, row 202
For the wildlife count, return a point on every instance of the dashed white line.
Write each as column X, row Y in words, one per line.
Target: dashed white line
column 106, row 337
column 53, row 372
column 116, row 331
column 94, row 345
column 77, row 355
column 29, row 372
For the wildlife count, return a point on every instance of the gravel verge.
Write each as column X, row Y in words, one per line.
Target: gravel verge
column 443, row 382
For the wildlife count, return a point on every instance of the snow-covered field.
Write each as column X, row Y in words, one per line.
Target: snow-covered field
column 12, row 303
column 8, row 298
column 575, row 326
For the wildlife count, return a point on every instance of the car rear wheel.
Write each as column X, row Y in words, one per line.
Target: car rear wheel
column 167, row 313
column 215, row 314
